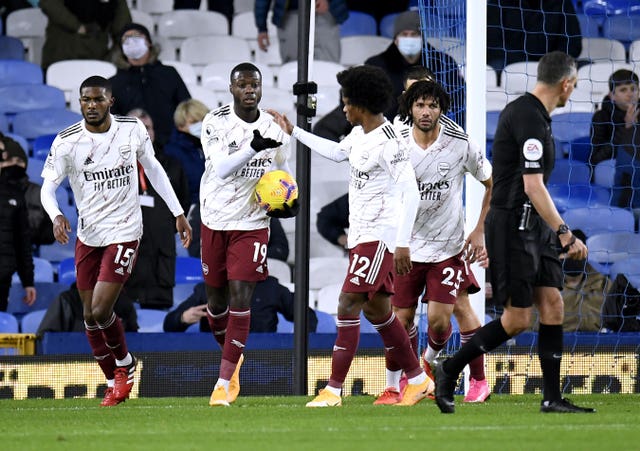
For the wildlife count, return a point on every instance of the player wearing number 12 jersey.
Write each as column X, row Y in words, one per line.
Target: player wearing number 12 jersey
column 383, row 201
column 100, row 155
column 240, row 142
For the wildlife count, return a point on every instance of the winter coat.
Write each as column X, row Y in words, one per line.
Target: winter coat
column 338, row 9
column 583, row 302
column 188, row 151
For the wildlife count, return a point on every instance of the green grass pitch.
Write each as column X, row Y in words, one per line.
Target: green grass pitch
column 283, row 423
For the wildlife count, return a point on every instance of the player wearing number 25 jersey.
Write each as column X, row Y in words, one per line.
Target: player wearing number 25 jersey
column 100, row 156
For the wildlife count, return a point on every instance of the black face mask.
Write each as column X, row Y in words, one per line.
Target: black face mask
column 13, row 174
column 573, row 267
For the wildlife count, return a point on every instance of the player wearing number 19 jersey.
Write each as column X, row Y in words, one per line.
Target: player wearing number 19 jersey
column 240, row 142
column 100, row 155
column 441, row 155
column 383, row 200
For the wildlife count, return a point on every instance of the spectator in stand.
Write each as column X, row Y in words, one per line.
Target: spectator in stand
column 220, row 6
column 184, row 145
column 378, row 9
column 81, row 29
column 333, row 125
column 524, row 30
column 152, row 280
column 142, row 81
column 408, row 49
column 332, row 221
column 615, row 134
column 329, row 15
column 15, row 242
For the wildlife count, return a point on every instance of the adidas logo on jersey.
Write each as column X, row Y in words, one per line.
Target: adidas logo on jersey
column 120, row 271
column 233, row 147
column 88, row 161
column 259, row 269
column 354, row 280
column 453, row 292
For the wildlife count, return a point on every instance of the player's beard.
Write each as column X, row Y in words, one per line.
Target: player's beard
column 98, row 121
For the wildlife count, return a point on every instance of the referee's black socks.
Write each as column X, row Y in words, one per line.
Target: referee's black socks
column 550, row 355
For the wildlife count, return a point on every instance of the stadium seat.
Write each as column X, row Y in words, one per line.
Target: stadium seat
column 13, row 72
column 4, row 124
column 188, row 270
column 581, row 101
column 67, row 271
column 185, row 70
column 579, row 149
column 144, row 18
column 594, row 78
column 326, row 323
column 325, row 271
column 590, row 26
column 150, row 320
column 386, row 25
column 19, row 139
column 26, row 22
column 492, row 124
column 43, row 271
column 42, row 145
column 11, row 48
column 628, row 267
column 181, row 291
column 69, row 74
column 26, row 97
column 284, row 326
column 279, row 269
column 181, row 24
column 277, row 99
column 242, row 6
column 359, row 24
column 566, row 197
column 569, row 126
column 518, row 78
column 207, row 96
column 31, row 321
column 634, row 52
column 33, row 49
column 57, row 252
column 365, row 326
column 322, row 72
column 355, row 50
column 34, row 169
column 623, row 28
column 202, row 50
column 32, row 124
column 608, row 248
column 604, row 173
column 571, row 172
column 154, row 7
column 8, row 324
column 46, row 293
column 596, row 220
column 597, row 50
column 327, row 298
column 610, row 7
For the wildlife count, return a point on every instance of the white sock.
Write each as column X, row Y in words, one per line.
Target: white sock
column 224, row 383
column 393, row 379
column 126, row 361
column 431, row 355
column 334, row 390
column 419, row 379
column 111, row 383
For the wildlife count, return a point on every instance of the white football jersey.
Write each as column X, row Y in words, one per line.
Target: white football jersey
column 440, row 170
column 229, row 203
column 378, row 159
column 103, row 174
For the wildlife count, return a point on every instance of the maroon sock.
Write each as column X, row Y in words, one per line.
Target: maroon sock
column 344, row 349
column 218, row 325
column 100, row 351
column 390, row 362
column 437, row 340
column 413, row 338
column 476, row 366
column 395, row 339
column 235, row 340
column 113, row 333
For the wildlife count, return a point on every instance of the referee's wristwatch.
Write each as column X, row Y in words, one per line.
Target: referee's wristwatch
column 562, row 229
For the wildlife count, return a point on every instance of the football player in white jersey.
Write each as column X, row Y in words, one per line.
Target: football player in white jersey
column 100, row 156
column 383, row 200
column 241, row 142
column 441, row 155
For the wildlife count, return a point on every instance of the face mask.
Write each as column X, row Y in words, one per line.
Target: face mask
column 13, row 173
column 135, row 47
column 195, row 129
column 409, row 46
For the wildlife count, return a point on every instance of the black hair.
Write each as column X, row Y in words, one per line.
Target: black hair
column 244, row 67
column 419, row 90
column 366, row 86
column 554, row 66
column 417, row 73
column 96, row 81
column 622, row 77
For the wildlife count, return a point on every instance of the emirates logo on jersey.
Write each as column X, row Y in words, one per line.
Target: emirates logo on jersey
column 125, row 152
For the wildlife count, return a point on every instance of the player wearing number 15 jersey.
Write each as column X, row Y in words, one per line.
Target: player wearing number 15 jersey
column 100, row 156
column 441, row 155
column 240, row 142
column 383, row 200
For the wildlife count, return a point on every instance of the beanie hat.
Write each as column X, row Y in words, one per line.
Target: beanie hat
column 408, row 20
column 12, row 149
column 136, row 26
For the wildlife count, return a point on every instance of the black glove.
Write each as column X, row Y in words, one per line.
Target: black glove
column 259, row 143
column 287, row 211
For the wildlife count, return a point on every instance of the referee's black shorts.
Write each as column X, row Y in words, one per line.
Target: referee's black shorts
column 520, row 260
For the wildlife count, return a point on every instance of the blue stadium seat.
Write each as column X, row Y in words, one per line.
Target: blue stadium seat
column 365, row 326
column 188, row 270
column 34, row 170
column 46, row 292
column 571, row 172
column 579, row 149
column 26, row 97
column 570, row 126
column 8, row 323
column 42, row 145
column 604, row 173
column 492, row 124
column 630, row 268
column 43, row 271
column 19, row 139
column 386, row 25
column 31, row 321
column 284, row 326
column 594, row 220
column 610, row 7
column 566, row 196
column 4, row 124
column 605, row 249
column 625, row 29
column 359, row 23
column 590, row 26
column 14, row 72
column 11, row 48
column 32, row 124
column 181, row 291
column 150, row 320
column 67, row 271
column 57, row 252
column 326, row 323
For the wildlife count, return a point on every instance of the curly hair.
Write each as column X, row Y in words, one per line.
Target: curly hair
column 366, row 86
column 420, row 90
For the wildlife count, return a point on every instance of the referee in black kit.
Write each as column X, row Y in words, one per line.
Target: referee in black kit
column 525, row 236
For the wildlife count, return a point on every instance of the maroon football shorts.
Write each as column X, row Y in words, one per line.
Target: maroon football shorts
column 111, row 263
column 443, row 281
column 234, row 255
column 370, row 269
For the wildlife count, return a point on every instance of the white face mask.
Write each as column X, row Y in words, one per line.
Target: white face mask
column 195, row 129
column 135, row 47
column 409, row 45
